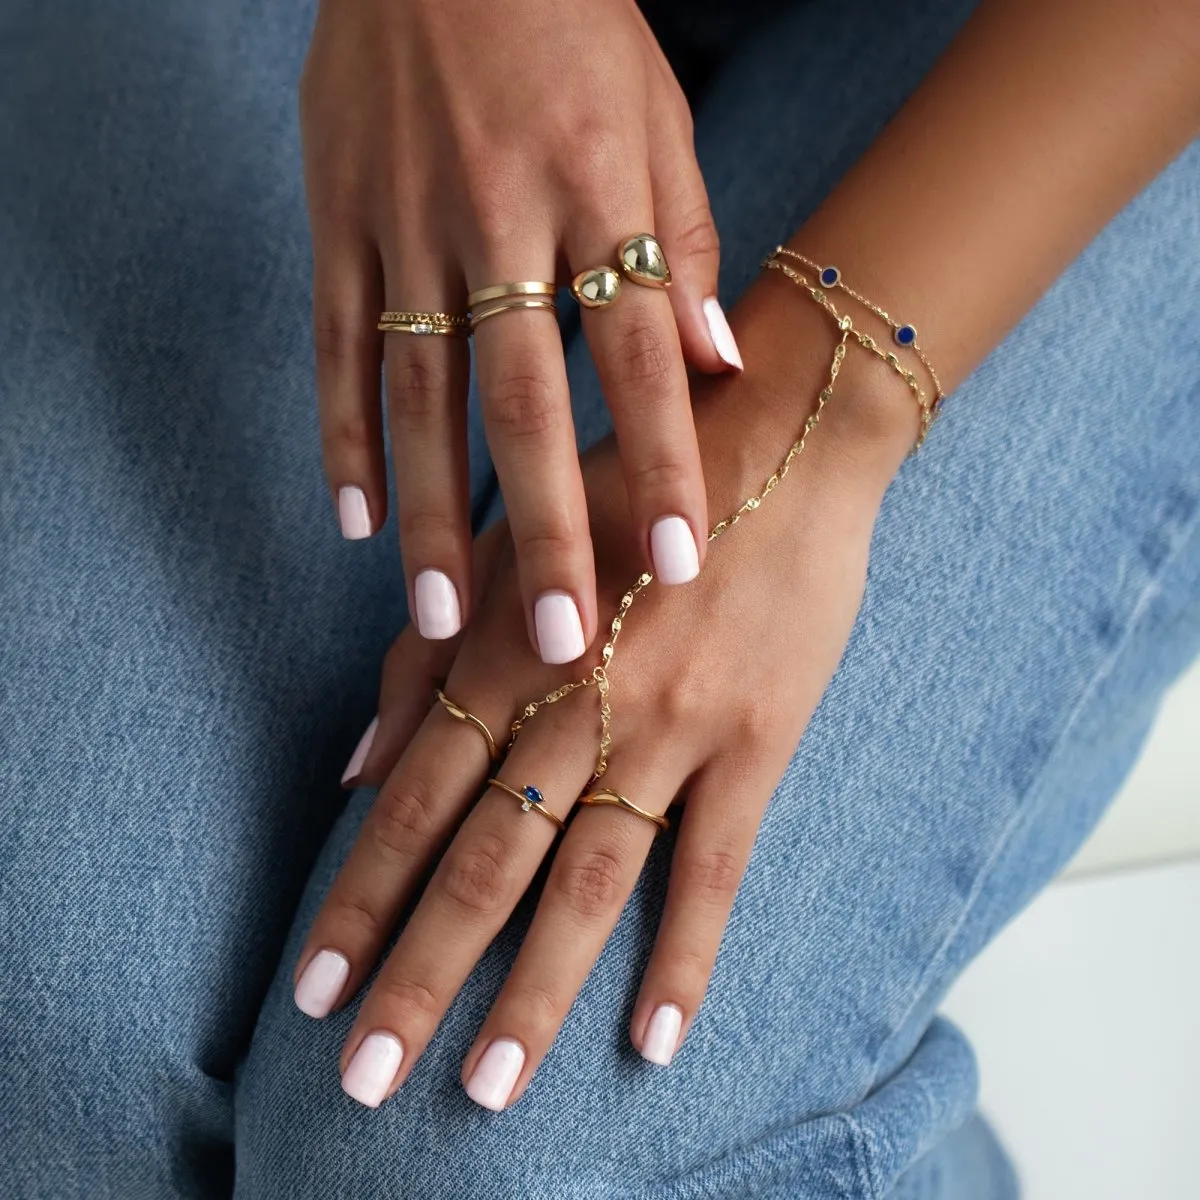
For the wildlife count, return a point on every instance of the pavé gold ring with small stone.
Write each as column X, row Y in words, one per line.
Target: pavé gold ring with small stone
column 531, row 800
column 424, row 324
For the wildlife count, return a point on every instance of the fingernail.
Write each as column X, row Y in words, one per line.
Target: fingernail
column 321, row 984
column 496, row 1073
column 353, row 513
column 559, row 629
column 662, row 1034
column 673, row 549
column 722, row 336
column 372, row 1069
column 438, row 613
column 360, row 752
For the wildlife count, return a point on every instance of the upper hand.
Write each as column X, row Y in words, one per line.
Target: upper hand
column 458, row 144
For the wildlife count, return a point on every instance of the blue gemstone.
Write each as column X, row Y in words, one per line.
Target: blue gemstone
column 830, row 276
column 532, row 794
column 906, row 335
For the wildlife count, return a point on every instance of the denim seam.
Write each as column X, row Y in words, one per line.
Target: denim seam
column 1025, row 808
column 866, row 1157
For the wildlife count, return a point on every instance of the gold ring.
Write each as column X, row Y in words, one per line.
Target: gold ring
column 597, row 287
column 531, row 800
column 424, row 324
column 508, row 305
column 531, row 287
column 642, row 259
column 604, row 796
column 461, row 714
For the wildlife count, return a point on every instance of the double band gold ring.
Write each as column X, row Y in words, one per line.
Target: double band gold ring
column 604, row 796
column 468, row 718
column 531, row 800
column 505, row 297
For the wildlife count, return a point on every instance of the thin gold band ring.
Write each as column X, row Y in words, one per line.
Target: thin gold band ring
column 604, row 796
column 531, row 800
column 532, row 287
column 507, row 305
column 461, row 714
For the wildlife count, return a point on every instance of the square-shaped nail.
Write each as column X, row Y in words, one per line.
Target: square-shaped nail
column 353, row 514
column 319, row 987
column 722, row 336
column 496, row 1073
column 558, row 627
column 662, row 1034
column 673, row 550
column 368, row 1078
column 437, row 610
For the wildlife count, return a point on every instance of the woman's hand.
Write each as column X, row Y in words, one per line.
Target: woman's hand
column 452, row 145
column 712, row 686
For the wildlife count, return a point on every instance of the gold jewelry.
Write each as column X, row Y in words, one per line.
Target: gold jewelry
column 903, row 334
column 531, row 800
column 604, row 796
column 642, row 259
column 597, row 287
column 424, row 324
column 598, row 678
column 531, row 287
column 461, row 714
column 477, row 317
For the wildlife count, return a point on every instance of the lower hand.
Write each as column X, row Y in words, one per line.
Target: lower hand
column 712, row 686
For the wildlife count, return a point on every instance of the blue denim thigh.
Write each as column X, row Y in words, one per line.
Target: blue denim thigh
column 1031, row 592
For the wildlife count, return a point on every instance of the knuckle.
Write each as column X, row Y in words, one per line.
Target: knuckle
column 477, row 878
column 428, row 527
column 713, row 875
column 645, row 364
column 554, row 544
column 537, row 1004
column 339, row 339
column 662, row 476
column 402, row 820
column 697, row 236
column 417, row 390
column 346, row 436
column 589, row 882
column 354, row 911
column 523, row 405
column 399, row 992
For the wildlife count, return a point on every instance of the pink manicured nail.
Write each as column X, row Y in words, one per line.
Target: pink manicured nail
column 438, row 613
column 360, row 752
column 321, row 984
column 673, row 549
column 722, row 336
column 496, row 1073
column 559, row 629
column 353, row 513
column 372, row 1069
column 662, row 1034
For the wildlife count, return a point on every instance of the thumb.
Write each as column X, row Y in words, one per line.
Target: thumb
column 689, row 237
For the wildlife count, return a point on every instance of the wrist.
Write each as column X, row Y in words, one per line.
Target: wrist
column 746, row 423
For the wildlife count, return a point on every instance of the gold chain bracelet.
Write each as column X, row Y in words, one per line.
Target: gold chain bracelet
column 598, row 678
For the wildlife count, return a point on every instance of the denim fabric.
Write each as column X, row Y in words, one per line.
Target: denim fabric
column 188, row 653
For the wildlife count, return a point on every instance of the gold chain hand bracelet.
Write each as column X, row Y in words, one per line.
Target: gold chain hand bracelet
column 904, row 335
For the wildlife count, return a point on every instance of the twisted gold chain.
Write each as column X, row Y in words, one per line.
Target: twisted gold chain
column 599, row 675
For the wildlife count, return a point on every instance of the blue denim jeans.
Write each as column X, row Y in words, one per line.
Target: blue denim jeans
column 188, row 653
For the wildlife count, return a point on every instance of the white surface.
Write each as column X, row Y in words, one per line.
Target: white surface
column 1157, row 815
column 1085, row 1014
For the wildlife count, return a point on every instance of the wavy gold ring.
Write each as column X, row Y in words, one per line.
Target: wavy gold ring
column 604, row 796
column 531, row 800
column 461, row 714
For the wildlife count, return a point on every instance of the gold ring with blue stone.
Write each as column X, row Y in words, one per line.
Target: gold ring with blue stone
column 531, row 800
